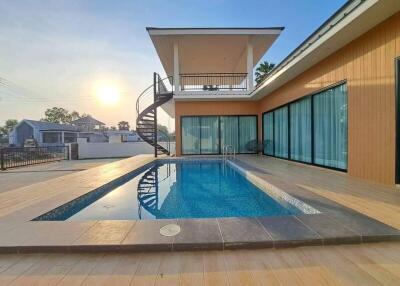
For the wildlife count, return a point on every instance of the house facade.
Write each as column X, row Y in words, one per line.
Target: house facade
column 333, row 102
column 43, row 133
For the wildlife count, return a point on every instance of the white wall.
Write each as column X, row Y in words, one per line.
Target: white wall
column 115, row 150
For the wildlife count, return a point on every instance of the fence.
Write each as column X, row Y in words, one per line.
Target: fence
column 17, row 157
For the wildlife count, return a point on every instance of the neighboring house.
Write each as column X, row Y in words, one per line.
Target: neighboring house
column 44, row 133
column 332, row 102
column 47, row 133
column 88, row 124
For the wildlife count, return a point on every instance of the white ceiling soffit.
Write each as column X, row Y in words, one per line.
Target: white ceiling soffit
column 353, row 20
column 213, row 50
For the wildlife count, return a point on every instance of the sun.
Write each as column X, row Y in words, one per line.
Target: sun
column 108, row 94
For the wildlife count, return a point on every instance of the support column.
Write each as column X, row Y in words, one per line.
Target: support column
column 176, row 67
column 250, row 84
column 62, row 137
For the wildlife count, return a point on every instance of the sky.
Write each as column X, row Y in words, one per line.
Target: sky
column 58, row 53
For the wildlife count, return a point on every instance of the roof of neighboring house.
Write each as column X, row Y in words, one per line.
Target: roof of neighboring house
column 87, row 120
column 49, row 126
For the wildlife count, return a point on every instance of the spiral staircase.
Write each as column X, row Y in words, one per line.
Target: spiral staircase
column 146, row 110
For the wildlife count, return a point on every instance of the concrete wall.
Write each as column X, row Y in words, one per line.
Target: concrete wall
column 115, row 150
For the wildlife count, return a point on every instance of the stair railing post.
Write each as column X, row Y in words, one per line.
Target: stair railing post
column 155, row 113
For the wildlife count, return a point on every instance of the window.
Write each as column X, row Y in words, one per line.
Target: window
column 51, row 137
column 330, row 127
column 69, row 137
column 268, row 131
column 281, row 132
column 191, row 135
column 311, row 130
column 209, row 134
column 247, row 134
column 300, row 130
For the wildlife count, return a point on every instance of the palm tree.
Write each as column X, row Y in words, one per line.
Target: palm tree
column 263, row 70
column 123, row 125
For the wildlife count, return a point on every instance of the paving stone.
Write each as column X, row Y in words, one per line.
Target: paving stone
column 331, row 231
column 145, row 236
column 198, row 234
column 289, row 231
column 243, row 232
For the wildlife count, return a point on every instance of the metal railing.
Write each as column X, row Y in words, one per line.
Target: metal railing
column 17, row 157
column 213, row 81
column 228, row 150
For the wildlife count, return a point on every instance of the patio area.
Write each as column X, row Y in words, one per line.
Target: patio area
column 346, row 216
column 367, row 263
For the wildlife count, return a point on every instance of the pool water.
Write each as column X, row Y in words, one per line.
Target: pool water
column 181, row 189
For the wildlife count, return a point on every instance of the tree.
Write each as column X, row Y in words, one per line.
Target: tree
column 162, row 128
column 123, row 125
column 113, row 128
column 57, row 115
column 8, row 127
column 61, row 115
column 263, row 70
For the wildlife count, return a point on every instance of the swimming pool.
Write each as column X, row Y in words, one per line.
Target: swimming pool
column 176, row 189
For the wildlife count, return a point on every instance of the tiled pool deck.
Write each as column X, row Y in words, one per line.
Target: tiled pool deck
column 336, row 224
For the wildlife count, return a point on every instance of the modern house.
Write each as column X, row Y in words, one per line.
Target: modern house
column 48, row 133
column 44, row 133
column 332, row 102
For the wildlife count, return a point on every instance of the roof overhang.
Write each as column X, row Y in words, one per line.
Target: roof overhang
column 348, row 23
column 211, row 50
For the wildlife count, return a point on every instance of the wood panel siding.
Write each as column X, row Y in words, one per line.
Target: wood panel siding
column 183, row 108
column 368, row 66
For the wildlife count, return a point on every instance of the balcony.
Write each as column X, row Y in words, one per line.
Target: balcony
column 213, row 82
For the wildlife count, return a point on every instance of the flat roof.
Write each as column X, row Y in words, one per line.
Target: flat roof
column 214, row 30
column 211, row 50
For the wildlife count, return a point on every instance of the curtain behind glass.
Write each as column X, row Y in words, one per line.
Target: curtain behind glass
column 300, row 130
column 268, row 126
column 229, row 131
column 209, row 135
column 247, row 133
column 330, row 127
column 281, row 132
column 190, row 135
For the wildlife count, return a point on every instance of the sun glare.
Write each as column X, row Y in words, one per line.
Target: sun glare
column 108, row 95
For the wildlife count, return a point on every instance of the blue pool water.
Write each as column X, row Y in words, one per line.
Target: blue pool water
column 189, row 189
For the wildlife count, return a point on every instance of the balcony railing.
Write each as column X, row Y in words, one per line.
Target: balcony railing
column 213, row 81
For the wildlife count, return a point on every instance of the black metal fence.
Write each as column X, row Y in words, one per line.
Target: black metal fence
column 12, row 157
column 213, row 81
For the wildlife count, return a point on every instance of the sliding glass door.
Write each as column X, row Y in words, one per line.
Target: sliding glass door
column 300, row 130
column 268, row 131
column 209, row 134
column 247, row 134
column 230, row 131
column 191, row 135
column 398, row 121
column 330, row 127
column 311, row 130
column 281, row 132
